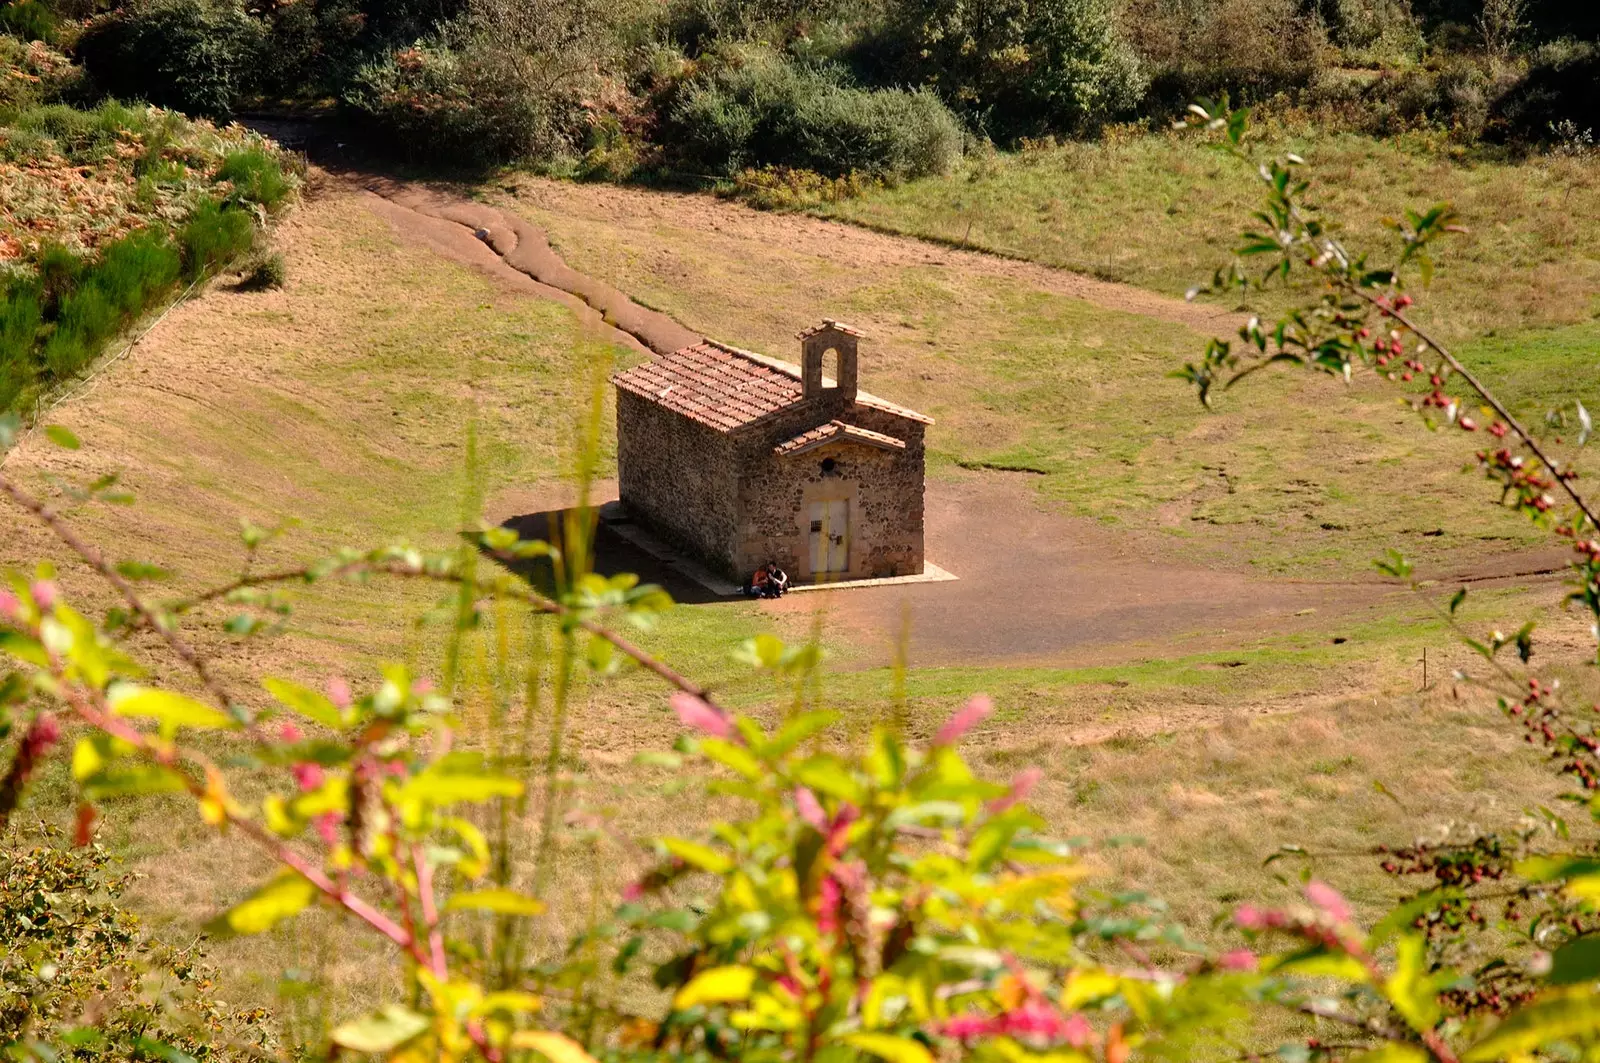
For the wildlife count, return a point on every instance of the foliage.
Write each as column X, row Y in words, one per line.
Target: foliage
column 1559, row 88
column 195, row 56
column 79, row 971
column 89, row 201
column 271, row 271
column 1021, row 67
column 751, row 108
column 508, row 79
column 29, row 19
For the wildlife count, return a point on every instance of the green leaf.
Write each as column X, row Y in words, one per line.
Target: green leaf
column 130, row 780
column 1319, row 962
column 168, row 709
column 62, row 437
column 10, row 427
column 141, row 570
column 827, row 776
column 798, row 730
column 889, row 1047
column 719, row 985
column 451, row 781
column 1576, row 961
column 1565, row 1015
column 503, row 902
column 307, row 702
column 1409, row 988
column 732, row 755
column 274, row 901
column 382, row 1031
column 1457, row 598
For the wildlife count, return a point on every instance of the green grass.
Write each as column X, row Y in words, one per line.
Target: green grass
column 1161, row 212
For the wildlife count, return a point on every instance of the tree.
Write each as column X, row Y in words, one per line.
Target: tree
column 1021, row 67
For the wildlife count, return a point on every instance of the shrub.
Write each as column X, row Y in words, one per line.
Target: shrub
column 270, row 272
column 1561, row 89
column 257, row 178
column 756, row 109
column 437, row 105
column 132, row 274
column 195, row 56
column 214, row 236
column 21, row 316
column 28, row 19
column 83, row 136
column 1249, row 49
column 1019, row 68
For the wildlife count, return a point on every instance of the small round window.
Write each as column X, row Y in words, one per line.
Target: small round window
column 828, row 465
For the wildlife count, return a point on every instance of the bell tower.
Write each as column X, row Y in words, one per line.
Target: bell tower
column 820, row 380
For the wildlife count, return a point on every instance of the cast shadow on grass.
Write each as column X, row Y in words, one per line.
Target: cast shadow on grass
column 612, row 555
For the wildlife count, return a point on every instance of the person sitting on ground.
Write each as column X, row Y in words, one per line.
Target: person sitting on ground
column 758, row 585
column 777, row 580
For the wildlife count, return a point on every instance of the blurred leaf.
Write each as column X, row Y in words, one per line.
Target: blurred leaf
column 274, row 901
column 502, row 901
column 1409, row 987
column 889, row 1047
column 1567, row 1015
column 167, row 708
column 62, row 437
column 719, row 985
column 1576, row 961
column 10, row 428
column 141, row 570
column 697, row 855
column 383, row 1031
column 305, row 701
column 557, row 1048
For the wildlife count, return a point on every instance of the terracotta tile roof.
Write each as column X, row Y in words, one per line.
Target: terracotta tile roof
column 829, row 323
column 726, row 388
column 833, row 430
column 713, row 384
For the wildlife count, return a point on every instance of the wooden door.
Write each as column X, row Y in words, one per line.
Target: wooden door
column 830, row 536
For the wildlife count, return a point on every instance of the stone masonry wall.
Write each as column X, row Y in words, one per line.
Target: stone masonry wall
column 883, row 487
column 678, row 478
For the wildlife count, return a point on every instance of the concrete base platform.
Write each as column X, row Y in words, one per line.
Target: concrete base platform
column 616, row 520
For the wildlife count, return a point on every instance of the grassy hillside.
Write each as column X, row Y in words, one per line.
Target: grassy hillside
column 340, row 401
column 1160, row 211
column 1296, row 476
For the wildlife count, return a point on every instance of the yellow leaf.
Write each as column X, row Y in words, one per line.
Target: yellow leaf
column 505, row 902
column 557, row 1048
column 719, row 985
column 168, row 709
column 889, row 1047
column 1085, row 987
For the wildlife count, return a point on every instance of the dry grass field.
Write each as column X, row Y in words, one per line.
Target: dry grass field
column 341, row 402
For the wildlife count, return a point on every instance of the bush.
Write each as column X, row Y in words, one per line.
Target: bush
column 1560, row 90
column 1250, row 49
column 195, row 56
column 439, row 106
column 83, row 136
column 213, row 237
column 21, row 316
column 271, row 272
column 755, row 109
column 257, row 178
column 1018, row 68
column 28, row 19
column 133, row 273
